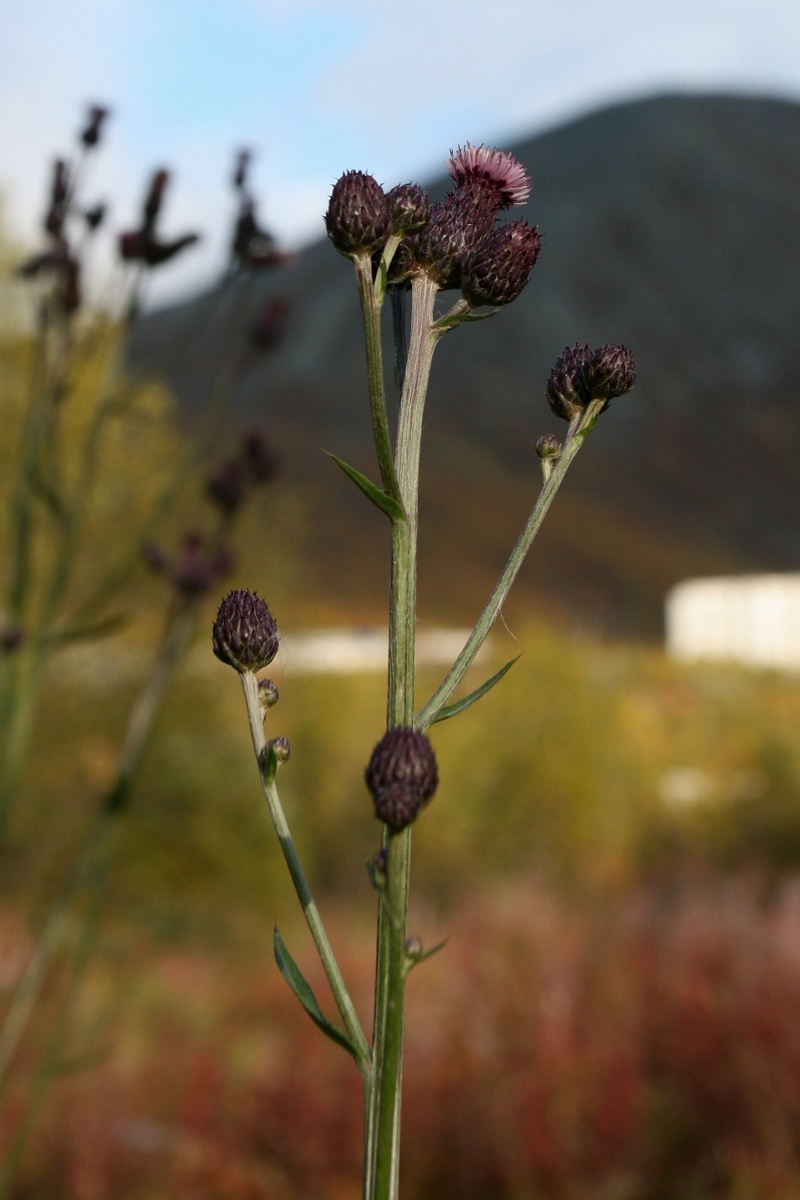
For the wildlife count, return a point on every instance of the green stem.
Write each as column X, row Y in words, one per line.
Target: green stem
column 575, row 437
column 384, row 1126
column 371, row 314
column 311, row 912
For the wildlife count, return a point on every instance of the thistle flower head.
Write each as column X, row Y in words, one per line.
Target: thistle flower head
column 245, row 635
column 610, row 372
column 402, row 776
column 358, row 219
column 497, row 268
column 566, row 392
column 494, row 169
column 95, row 119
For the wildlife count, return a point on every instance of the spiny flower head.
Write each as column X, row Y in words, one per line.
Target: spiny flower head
column 402, row 776
column 410, row 207
column 358, row 219
column 497, row 268
column 245, row 635
column 494, row 169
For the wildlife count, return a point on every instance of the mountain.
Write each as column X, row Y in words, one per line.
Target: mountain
column 670, row 224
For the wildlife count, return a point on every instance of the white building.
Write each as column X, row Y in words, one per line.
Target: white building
column 752, row 619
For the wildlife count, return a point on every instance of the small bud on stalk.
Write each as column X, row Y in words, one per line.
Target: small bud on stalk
column 267, row 696
column 402, row 776
column 245, row 635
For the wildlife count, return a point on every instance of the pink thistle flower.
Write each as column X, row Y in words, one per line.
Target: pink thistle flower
column 500, row 170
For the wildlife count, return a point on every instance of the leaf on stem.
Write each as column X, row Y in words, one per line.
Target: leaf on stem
column 387, row 504
column 296, row 981
column 452, row 710
column 452, row 320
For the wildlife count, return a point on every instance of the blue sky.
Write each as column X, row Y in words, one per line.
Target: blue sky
column 317, row 87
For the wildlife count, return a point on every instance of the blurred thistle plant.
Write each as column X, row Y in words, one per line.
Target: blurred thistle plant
column 399, row 241
column 78, row 394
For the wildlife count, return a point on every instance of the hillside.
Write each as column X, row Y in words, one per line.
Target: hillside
column 670, row 224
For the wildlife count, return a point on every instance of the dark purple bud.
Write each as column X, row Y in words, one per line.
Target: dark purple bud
column 496, row 269
column 402, row 776
column 610, row 372
column 253, row 246
column 140, row 246
column 409, row 206
column 245, row 635
column 59, row 194
column 94, row 216
column 358, row 219
column 566, row 391
column 154, row 198
column 241, row 169
column 95, row 119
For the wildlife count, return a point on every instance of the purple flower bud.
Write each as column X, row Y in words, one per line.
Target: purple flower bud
column 241, row 169
column 198, row 568
column 59, row 195
column 94, row 216
column 95, row 119
column 610, row 372
column 245, row 635
column 410, row 208
column 402, row 776
column 280, row 748
column 497, row 268
column 140, row 245
column 566, row 391
column 267, row 695
column 154, row 198
column 358, row 219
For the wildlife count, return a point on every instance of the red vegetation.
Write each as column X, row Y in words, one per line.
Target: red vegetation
column 642, row 1049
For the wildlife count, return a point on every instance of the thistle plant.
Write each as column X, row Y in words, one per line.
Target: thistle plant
column 400, row 243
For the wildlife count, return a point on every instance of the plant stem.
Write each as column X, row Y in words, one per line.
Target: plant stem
column 371, row 314
column 311, row 912
column 577, row 433
column 393, row 911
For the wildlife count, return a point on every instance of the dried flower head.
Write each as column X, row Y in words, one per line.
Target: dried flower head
column 495, row 169
column 358, row 219
column 245, row 635
column 402, row 776
column 497, row 268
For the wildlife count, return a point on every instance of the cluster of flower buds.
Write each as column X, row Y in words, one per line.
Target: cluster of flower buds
column 581, row 375
column 142, row 245
column 245, row 635
column 402, row 776
column 253, row 465
column 58, row 262
column 457, row 241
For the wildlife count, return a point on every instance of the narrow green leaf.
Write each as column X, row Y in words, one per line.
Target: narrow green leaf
column 387, row 504
column 452, row 710
column 452, row 320
column 296, row 981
